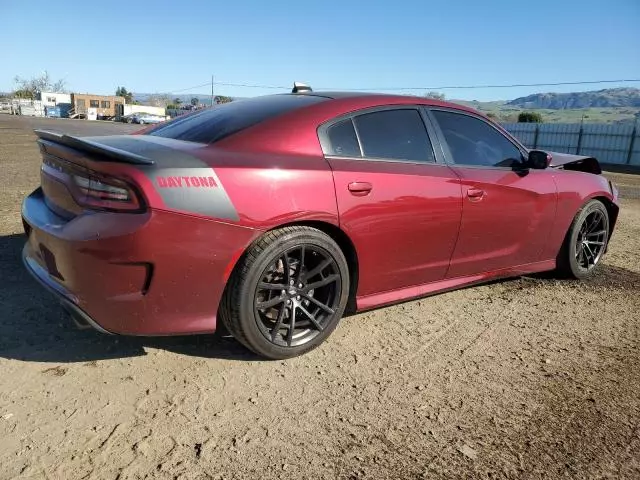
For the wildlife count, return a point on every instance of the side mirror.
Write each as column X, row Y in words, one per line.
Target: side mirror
column 538, row 159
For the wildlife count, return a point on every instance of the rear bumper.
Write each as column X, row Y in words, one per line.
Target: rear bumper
column 67, row 300
column 152, row 273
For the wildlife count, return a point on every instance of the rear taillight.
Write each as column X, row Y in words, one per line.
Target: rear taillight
column 105, row 193
column 94, row 190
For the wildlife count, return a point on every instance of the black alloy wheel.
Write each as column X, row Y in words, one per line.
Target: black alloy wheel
column 298, row 295
column 591, row 240
column 585, row 242
column 287, row 293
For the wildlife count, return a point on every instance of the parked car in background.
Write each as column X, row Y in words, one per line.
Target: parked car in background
column 146, row 118
column 142, row 118
column 126, row 118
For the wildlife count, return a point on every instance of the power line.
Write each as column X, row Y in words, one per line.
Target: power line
column 250, row 85
column 444, row 87
column 447, row 87
column 190, row 88
column 210, row 83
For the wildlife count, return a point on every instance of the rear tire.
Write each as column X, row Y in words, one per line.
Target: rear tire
column 585, row 242
column 287, row 293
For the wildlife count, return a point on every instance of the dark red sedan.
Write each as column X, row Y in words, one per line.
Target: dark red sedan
column 276, row 214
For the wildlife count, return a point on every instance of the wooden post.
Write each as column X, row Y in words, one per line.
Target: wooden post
column 535, row 136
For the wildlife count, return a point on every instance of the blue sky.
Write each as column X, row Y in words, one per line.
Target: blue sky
column 167, row 46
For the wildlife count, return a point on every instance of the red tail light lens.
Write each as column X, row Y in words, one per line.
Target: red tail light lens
column 106, row 193
column 94, row 190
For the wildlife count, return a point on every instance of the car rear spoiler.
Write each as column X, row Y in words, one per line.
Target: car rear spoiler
column 89, row 146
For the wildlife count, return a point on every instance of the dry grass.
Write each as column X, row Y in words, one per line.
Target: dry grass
column 528, row 378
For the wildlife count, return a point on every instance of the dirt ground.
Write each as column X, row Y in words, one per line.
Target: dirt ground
column 526, row 378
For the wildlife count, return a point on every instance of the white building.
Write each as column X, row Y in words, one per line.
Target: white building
column 52, row 99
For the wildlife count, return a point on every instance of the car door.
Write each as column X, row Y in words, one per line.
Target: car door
column 508, row 211
column 397, row 200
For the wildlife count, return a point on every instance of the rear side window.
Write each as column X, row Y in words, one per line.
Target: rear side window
column 216, row 123
column 342, row 138
column 394, row 134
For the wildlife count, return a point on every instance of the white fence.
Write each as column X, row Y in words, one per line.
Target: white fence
column 609, row 143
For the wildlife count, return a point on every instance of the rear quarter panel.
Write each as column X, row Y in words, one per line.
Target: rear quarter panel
column 574, row 190
column 268, row 190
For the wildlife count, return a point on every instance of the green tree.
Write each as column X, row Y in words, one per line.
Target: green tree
column 529, row 117
column 195, row 101
column 23, row 94
column 222, row 99
column 177, row 101
column 123, row 92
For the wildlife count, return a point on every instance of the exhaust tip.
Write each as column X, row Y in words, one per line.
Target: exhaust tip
column 80, row 322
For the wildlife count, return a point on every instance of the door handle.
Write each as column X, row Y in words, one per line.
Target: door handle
column 360, row 189
column 475, row 194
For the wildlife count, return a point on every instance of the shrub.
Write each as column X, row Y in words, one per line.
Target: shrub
column 529, row 117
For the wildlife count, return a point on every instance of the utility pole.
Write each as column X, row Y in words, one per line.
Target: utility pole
column 212, row 90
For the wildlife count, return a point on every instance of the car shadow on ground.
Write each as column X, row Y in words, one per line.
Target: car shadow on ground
column 33, row 326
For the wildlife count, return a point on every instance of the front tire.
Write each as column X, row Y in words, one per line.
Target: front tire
column 287, row 293
column 585, row 242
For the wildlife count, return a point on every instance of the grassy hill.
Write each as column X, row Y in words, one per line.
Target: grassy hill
column 612, row 105
column 504, row 111
column 606, row 98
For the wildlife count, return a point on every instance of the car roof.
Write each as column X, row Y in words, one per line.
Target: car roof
column 336, row 94
column 295, row 131
column 383, row 98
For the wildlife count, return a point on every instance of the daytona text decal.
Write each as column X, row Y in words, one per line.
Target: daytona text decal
column 186, row 182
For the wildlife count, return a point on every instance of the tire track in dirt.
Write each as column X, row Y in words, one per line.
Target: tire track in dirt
column 527, row 378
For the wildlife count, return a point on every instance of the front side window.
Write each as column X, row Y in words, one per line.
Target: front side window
column 106, row 104
column 94, row 103
column 474, row 142
column 394, row 134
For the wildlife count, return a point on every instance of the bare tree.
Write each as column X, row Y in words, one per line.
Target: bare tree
column 158, row 100
column 31, row 87
column 434, row 95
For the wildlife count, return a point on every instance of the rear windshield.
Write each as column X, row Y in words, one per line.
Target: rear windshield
column 216, row 123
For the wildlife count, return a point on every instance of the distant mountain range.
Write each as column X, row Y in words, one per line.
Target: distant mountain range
column 610, row 105
column 610, row 97
column 607, row 98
